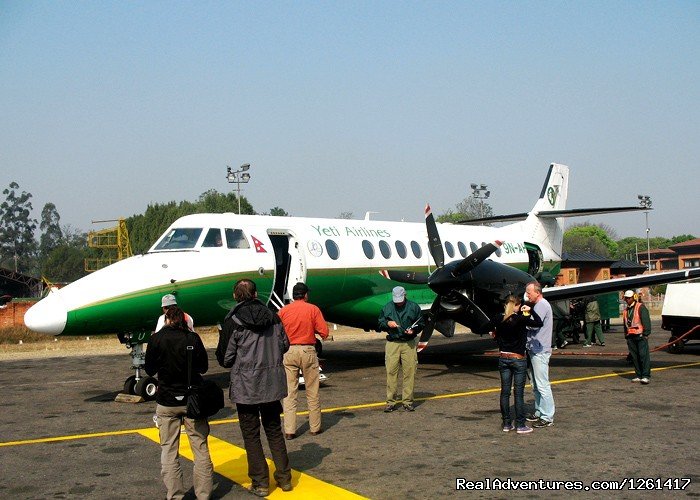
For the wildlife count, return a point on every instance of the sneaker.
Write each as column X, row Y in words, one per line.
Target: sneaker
column 409, row 407
column 259, row 491
column 508, row 428
column 586, row 345
column 645, row 381
column 525, row 429
column 532, row 417
column 564, row 344
column 542, row 423
column 285, row 486
column 389, row 408
column 602, row 344
column 636, row 379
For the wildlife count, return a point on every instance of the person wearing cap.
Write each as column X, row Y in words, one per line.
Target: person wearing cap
column 168, row 301
column 166, row 356
column 637, row 330
column 302, row 321
column 402, row 319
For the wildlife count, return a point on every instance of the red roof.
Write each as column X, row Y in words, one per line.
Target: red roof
column 686, row 244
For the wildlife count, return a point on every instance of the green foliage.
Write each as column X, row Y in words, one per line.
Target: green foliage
column 279, row 212
column 589, row 238
column 18, row 247
column 64, row 264
column 467, row 209
column 51, row 235
column 627, row 248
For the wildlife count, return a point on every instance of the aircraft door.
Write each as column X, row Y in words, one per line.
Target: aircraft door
column 290, row 267
column 534, row 257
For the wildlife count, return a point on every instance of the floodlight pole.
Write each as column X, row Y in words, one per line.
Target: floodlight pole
column 645, row 202
column 239, row 177
column 480, row 192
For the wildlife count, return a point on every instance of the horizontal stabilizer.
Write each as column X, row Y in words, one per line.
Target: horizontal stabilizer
column 553, row 214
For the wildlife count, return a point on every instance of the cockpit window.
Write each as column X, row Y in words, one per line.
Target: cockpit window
column 180, row 238
column 236, row 239
column 213, row 238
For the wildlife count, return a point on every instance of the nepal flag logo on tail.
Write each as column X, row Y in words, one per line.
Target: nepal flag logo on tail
column 258, row 245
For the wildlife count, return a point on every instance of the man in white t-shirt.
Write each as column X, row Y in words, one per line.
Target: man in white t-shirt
column 167, row 302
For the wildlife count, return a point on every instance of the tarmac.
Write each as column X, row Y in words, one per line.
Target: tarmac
column 64, row 436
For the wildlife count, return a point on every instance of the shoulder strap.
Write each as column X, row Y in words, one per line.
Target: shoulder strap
column 190, row 349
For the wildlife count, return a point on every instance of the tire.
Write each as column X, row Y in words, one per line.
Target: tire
column 676, row 347
column 146, row 388
column 129, row 385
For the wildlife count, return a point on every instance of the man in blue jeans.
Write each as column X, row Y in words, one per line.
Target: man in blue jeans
column 539, row 350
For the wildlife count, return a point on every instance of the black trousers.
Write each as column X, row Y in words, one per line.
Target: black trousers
column 249, row 418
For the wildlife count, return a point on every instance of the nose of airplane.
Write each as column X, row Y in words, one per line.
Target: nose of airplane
column 49, row 315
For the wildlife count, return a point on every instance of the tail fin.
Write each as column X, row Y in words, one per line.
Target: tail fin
column 543, row 229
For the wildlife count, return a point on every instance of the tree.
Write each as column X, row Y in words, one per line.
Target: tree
column 467, row 209
column 280, row 212
column 18, row 247
column 51, row 230
column 588, row 238
column 64, row 263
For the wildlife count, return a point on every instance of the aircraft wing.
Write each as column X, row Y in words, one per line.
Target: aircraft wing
column 596, row 287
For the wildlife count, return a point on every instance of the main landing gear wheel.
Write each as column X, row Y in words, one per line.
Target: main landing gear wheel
column 146, row 388
column 129, row 385
column 675, row 347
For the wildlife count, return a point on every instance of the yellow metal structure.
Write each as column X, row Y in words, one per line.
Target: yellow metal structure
column 111, row 238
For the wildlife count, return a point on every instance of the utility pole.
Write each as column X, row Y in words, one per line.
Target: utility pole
column 645, row 202
column 480, row 192
column 240, row 176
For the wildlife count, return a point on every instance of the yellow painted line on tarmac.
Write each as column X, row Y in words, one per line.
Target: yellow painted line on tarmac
column 73, row 437
column 230, row 461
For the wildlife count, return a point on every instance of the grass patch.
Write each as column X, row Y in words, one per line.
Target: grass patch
column 14, row 334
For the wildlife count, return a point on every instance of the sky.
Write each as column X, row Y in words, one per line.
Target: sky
column 352, row 106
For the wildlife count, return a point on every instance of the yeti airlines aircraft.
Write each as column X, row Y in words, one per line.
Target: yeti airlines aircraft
column 456, row 273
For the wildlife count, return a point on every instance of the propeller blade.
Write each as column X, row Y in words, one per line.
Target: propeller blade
column 474, row 259
column 429, row 325
column 410, row 277
column 434, row 243
column 476, row 319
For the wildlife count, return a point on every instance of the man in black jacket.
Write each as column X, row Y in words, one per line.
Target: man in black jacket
column 166, row 355
column 256, row 345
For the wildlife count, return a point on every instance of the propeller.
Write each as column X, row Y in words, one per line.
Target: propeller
column 447, row 281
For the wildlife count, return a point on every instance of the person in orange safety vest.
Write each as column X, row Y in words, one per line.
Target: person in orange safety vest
column 637, row 330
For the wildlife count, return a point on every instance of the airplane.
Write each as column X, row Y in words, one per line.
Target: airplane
column 457, row 273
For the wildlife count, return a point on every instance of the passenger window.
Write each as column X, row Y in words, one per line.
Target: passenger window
column 473, row 246
column 332, row 249
column 179, row 238
column 462, row 249
column 368, row 249
column 416, row 249
column 385, row 249
column 213, row 238
column 450, row 249
column 236, row 239
column 400, row 249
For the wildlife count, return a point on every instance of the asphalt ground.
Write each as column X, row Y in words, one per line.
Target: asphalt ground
column 63, row 436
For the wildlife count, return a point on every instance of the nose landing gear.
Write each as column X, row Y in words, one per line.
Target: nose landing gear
column 139, row 384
